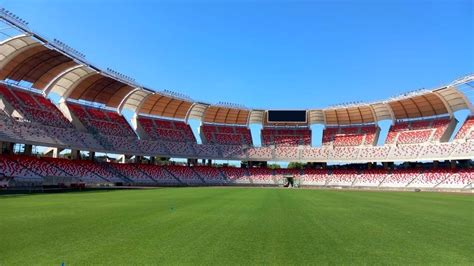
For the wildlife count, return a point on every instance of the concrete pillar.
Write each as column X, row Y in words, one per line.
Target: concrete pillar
column 28, row 149
column 453, row 164
column 209, row 162
column 138, row 159
column 75, row 154
column 9, row 147
column 55, row 152
column 92, row 155
column 152, row 160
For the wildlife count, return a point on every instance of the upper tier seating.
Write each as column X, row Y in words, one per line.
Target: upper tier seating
column 206, row 150
column 226, row 135
column 420, row 131
column 232, row 151
column 102, row 121
column 467, row 129
column 20, row 131
column 286, row 136
column 260, row 152
column 287, row 152
column 350, row 135
column 35, row 107
column 166, row 130
column 315, row 153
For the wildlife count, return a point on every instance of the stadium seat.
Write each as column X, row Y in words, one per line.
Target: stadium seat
column 286, row 136
column 226, row 135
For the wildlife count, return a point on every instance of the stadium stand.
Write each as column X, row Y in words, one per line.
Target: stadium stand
column 260, row 152
column 158, row 174
column 317, row 177
column 286, row 136
column 34, row 107
column 418, row 131
column 185, row 174
column 166, row 130
column 75, row 169
column 351, row 135
column 400, row 178
column 210, row 175
column 226, row 135
column 36, row 170
column 459, row 180
column 287, row 152
column 466, row 130
column 370, row 178
column 342, row 177
column 102, row 121
column 431, row 177
column 88, row 118
column 134, row 173
column 236, row 175
column 262, row 176
column 315, row 153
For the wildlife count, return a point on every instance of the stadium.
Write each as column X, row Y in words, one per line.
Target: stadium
column 99, row 169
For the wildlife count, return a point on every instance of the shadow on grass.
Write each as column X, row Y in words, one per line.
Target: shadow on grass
column 6, row 194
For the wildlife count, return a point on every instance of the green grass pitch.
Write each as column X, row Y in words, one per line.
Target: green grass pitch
column 224, row 226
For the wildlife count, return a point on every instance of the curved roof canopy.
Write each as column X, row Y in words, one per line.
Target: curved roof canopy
column 166, row 106
column 101, row 89
column 24, row 59
column 30, row 58
column 428, row 104
column 353, row 115
column 226, row 115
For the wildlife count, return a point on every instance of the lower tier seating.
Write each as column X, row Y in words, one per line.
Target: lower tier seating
column 400, row 178
column 185, row 174
column 261, row 176
column 236, row 175
column 210, row 175
column 35, row 170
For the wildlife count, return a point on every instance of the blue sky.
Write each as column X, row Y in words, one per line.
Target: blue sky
column 268, row 54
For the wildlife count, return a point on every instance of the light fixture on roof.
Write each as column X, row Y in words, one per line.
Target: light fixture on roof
column 231, row 105
column 463, row 80
column 409, row 94
column 347, row 104
column 67, row 49
column 120, row 75
column 176, row 94
column 9, row 16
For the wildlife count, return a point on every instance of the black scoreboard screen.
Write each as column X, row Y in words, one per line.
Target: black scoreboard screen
column 290, row 116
